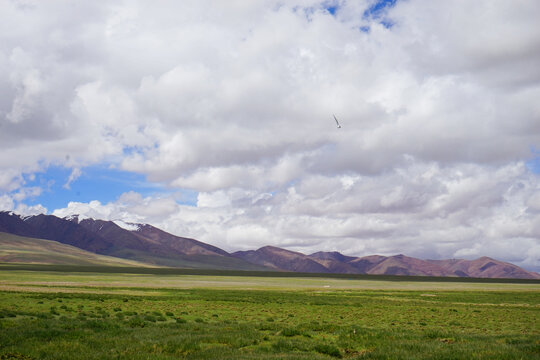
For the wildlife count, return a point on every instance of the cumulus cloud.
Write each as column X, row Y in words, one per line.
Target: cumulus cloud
column 423, row 210
column 199, row 92
column 438, row 103
column 24, row 209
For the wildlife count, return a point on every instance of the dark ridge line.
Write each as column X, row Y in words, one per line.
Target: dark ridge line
column 283, row 274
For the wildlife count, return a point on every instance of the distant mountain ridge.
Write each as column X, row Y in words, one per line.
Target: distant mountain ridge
column 148, row 244
column 143, row 243
column 280, row 259
column 334, row 262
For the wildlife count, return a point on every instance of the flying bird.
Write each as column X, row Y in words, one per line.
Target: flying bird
column 337, row 122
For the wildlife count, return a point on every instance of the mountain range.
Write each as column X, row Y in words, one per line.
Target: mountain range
column 95, row 241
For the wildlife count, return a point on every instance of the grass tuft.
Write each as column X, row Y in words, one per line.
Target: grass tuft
column 328, row 349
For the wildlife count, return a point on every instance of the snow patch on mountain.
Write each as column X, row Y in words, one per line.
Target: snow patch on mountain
column 77, row 218
column 74, row 218
column 126, row 225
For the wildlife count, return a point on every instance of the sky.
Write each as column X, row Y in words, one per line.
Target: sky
column 214, row 120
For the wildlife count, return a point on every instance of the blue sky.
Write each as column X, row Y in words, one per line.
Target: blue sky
column 95, row 183
column 375, row 12
column 534, row 165
column 99, row 182
column 106, row 184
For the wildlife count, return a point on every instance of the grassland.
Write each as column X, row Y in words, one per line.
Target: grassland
column 60, row 315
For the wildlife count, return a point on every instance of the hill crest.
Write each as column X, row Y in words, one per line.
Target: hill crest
column 148, row 244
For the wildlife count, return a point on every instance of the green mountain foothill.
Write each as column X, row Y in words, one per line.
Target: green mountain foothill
column 20, row 249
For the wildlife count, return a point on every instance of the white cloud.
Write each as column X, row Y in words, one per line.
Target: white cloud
column 23, row 209
column 93, row 209
column 209, row 92
column 29, row 84
column 235, row 101
column 6, row 203
column 10, row 180
column 26, row 192
column 417, row 211
column 74, row 175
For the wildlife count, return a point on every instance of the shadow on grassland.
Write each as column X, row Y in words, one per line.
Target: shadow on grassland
column 280, row 274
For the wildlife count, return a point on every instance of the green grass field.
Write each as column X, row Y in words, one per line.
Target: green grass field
column 59, row 315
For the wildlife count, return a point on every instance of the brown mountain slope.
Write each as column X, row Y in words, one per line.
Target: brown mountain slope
column 118, row 237
column 50, row 227
column 144, row 237
column 404, row 265
column 146, row 243
column 364, row 264
column 13, row 224
column 281, row 259
column 181, row 244
column 337, row 267
column 335, row 262
column 484, row 267
column 332, row 255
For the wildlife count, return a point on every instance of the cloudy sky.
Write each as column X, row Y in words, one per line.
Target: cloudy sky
column 213, row 120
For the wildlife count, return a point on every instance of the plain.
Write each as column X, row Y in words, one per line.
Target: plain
column 60, row 315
